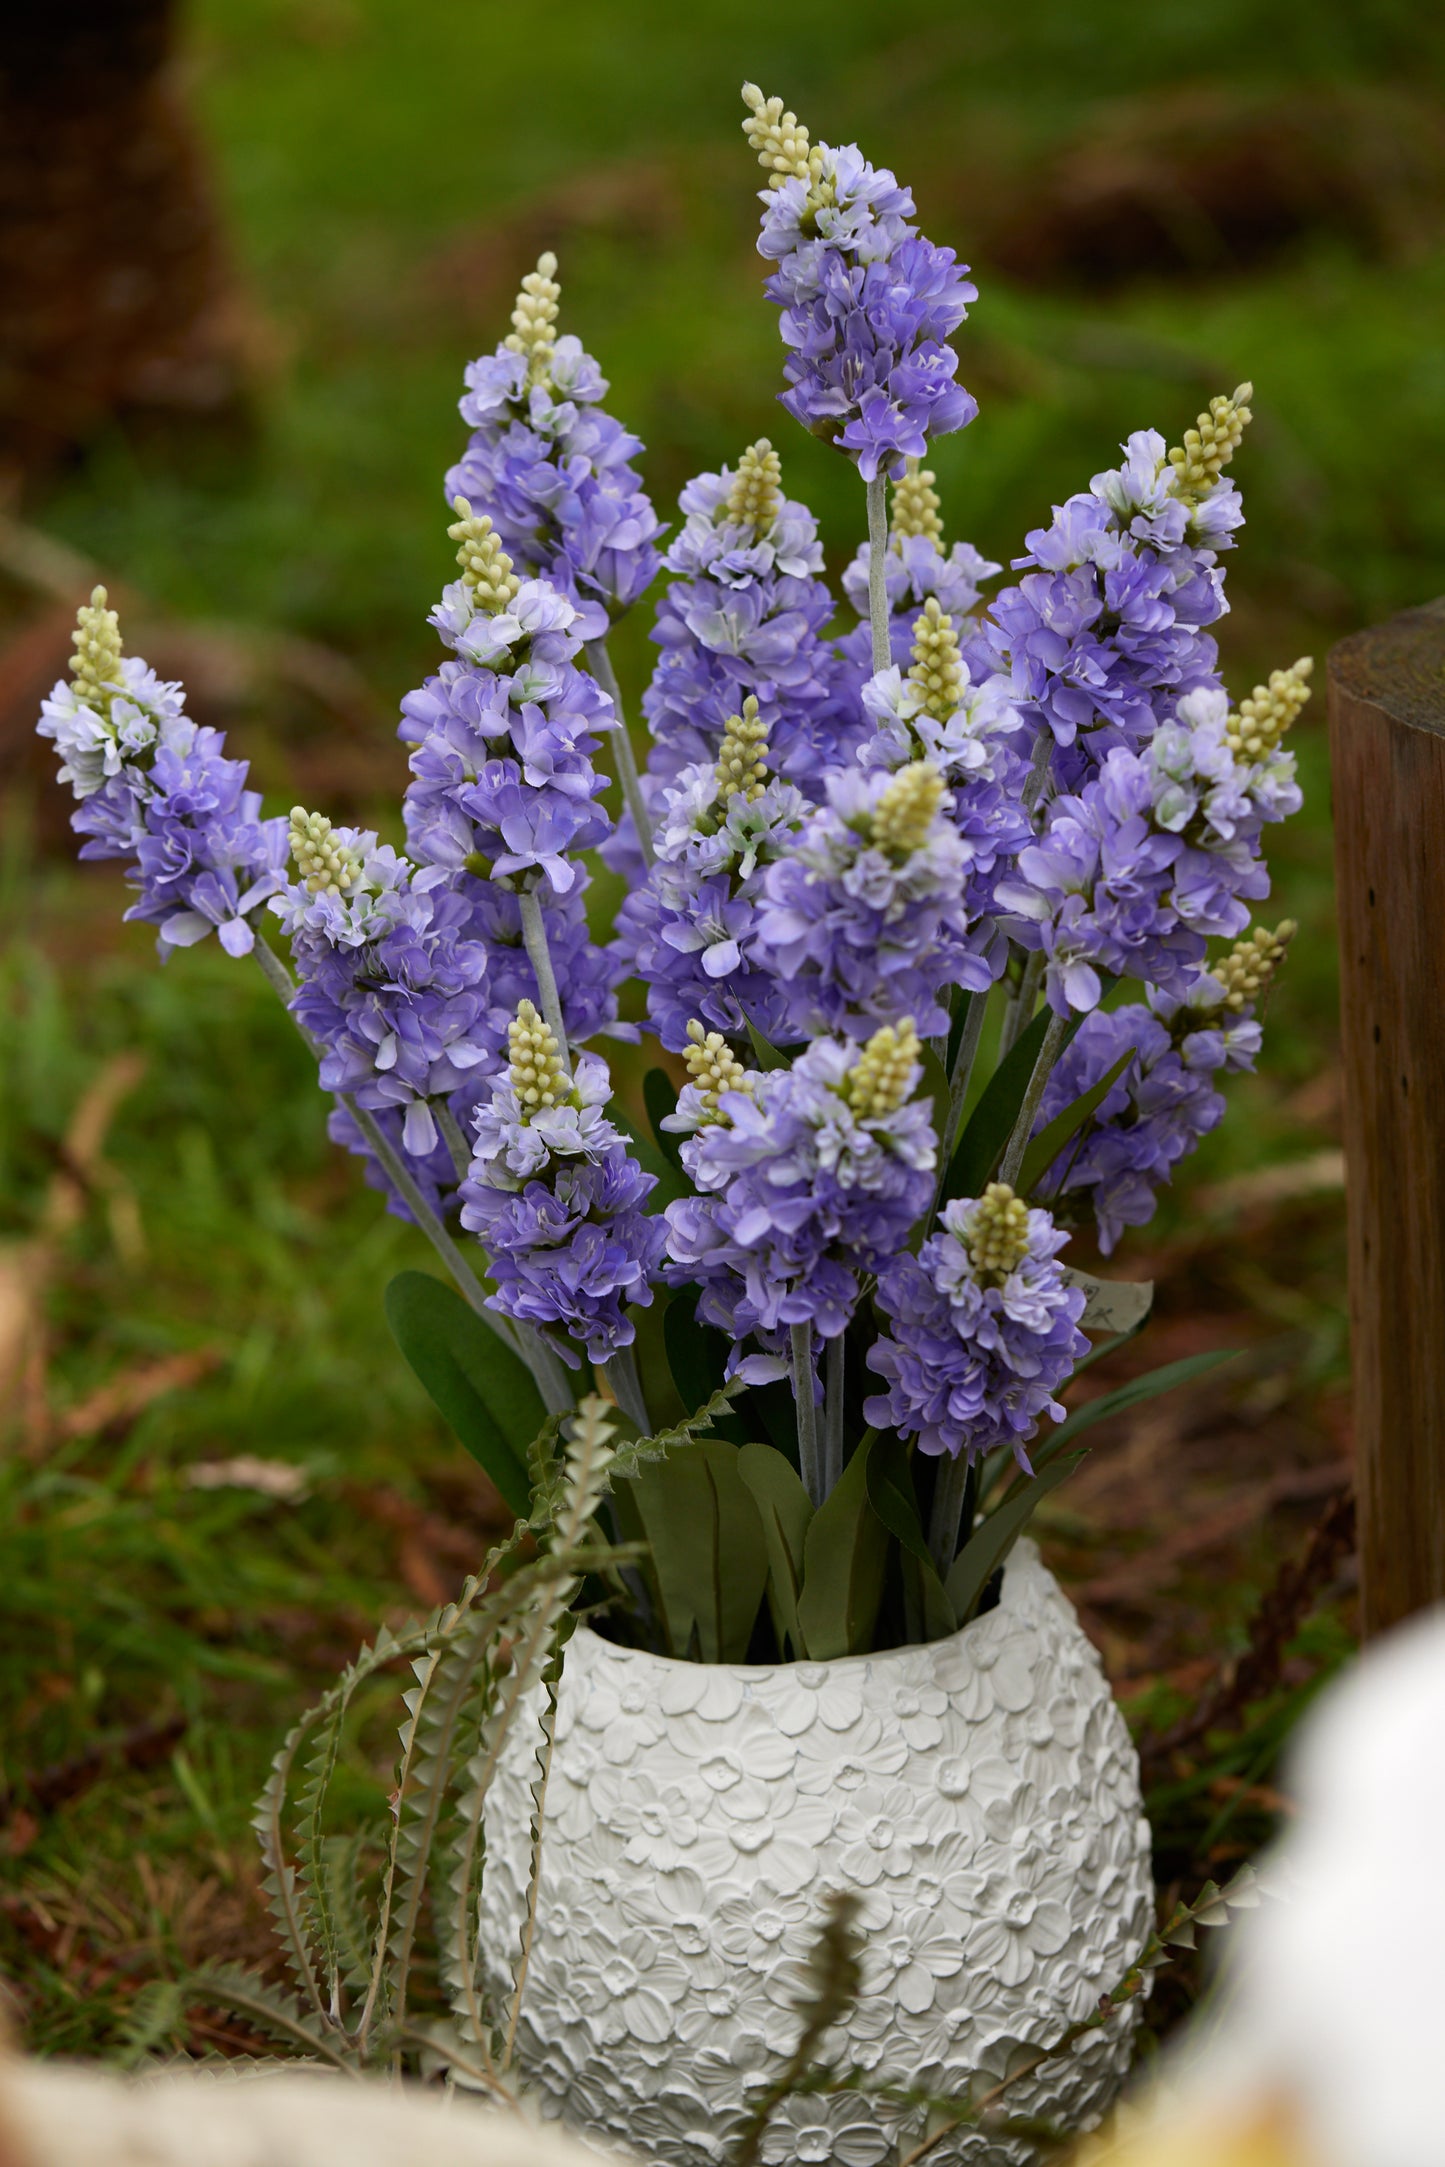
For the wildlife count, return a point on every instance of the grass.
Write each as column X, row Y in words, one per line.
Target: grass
column 389, row 171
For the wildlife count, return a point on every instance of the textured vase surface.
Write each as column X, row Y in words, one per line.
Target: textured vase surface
column 981, row 1794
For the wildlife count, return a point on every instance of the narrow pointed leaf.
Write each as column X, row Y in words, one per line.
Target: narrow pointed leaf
column 891, row 1494
column 989, row 1545
column 844, row 1556
column 485, row 1392
column 660, row 1099
column 785, row 1509
column 1050, row 1141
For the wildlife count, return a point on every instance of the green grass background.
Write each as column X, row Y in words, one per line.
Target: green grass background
column 389, row 168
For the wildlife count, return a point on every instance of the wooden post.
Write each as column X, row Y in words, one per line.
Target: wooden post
column 1387, row 740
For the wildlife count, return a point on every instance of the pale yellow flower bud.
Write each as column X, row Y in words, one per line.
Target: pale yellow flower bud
column 879, row 1079
column 486, row 567
column 1245, row 973
column 742, row 762
column 95, row 664
column 916, row 504
column 326, row 865
column 906, row 810
column 537, row 1075
column 1210, row 445
column 1268, row 712
column 997, row 1231
column 712, row 1064
column 756, row 496
column 534, row 319
column 779, row 138
column 936, row 672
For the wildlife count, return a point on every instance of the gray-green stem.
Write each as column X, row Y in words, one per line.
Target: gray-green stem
column 962, row 1076
column 627, row 774
column 539, row 955
column 877, row 584
column 1019, row 1012
column 832, row 1413
column 949, row 1497
column 809, row 1454
column 1018, row 1143
column 544, row 1366
column 620, row 1370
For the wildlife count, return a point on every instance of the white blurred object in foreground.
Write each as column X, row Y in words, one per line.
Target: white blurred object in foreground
column 1330, row 2049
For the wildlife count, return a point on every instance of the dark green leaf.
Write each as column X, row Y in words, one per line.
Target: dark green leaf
column 697, row 1358
column 1049, row 1142
column 785, row 1510
column 484, row 1391
column 660, row 1099
column 990, row 1544
column 891, row 1494
column 764, row 1052
column 844, row 1557
column 1129, row 1395
column 935, row 1088
column 709, row 1557
column 671, row 1184
column 990, row 1125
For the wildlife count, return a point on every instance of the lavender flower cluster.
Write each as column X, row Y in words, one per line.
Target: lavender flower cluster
column 827, row 863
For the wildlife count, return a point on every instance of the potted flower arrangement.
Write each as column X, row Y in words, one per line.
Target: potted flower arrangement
column 884, row 893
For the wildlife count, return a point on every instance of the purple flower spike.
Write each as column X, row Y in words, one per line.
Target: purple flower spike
column 868, row 305
column 983, row 1330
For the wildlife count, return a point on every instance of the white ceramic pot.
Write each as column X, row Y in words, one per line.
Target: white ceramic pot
column 982, row 1794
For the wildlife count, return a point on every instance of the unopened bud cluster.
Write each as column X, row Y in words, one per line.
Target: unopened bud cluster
column 326, row 864
column 742, row 762
column 534, row 318
column 95, row 664
column 1268, row 712
column 997, row 1231
column 1210, row 445
column 537, row 1075
column 879, row 1079
column 1246, row 971
column 917, row 506
column 907, row 809
column 779, row 138
column 756, row 494
column 713, row 1067
column 936, row 672
column 486, row 567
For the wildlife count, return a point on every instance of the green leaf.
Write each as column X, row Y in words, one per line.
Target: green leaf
column 891, row 1494
column 935, row 1087
column 765, row 1053
column 990, row 1544
column 660, row 1099
column 844, row 1556
column 484, row 1391
column 990, row 1125
column 1129, row 1395
column 785, row 1510
column 697, row 1358
column 671, row 1183
column 1049, row 1142
column 1012, row 1514
column 709, row 1556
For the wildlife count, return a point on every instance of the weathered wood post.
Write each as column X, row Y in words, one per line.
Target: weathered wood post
column 1387, row 739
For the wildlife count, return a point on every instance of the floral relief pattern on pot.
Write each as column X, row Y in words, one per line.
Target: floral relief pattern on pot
column 981, row 1792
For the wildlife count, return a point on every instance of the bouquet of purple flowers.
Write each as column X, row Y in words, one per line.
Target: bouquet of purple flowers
column 883, row 888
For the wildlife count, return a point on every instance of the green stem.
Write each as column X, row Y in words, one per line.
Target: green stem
column 809, row 1456
column 967, row 1054
column 539, row 955
column 950, row 1496
column 397, row 1173
column 453, row 1138
column 627, row 774
column 620, row 1370
column 1018, row 1143
column 832, row 1413
column 877, row 584
column 1019, row 1012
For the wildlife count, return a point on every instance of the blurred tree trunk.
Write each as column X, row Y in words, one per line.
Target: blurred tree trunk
column 117, row 296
